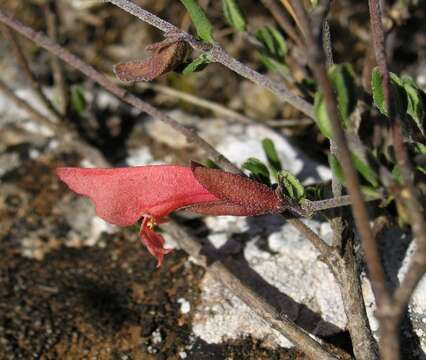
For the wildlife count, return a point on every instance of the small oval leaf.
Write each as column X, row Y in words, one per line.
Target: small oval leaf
column 365, row 170
column 234, row 15
column 377, row 91
column 271, row 155
column 321, row 116
column 197, row 64
column 336, row 168
column 343, row 80
column 258, row 170
column 202, row 24
column 294, row 188
column 273, row 41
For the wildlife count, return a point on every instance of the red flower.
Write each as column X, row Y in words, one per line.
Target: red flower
column 123, row 195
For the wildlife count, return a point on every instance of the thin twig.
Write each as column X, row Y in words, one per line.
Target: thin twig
column 336, row 223
column 390, row 317
column 195, row 100
column 335, row 202
column 66, row 134
column 190, row 134
column 283, row 123
column 26, row 70
column 327, row 44
column 288, row 6
column 222, row 110
column 218, row 54
column 57, row 69
column 220, row 270
column 283, row 20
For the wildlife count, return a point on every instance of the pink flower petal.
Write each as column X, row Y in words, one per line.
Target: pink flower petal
column 154, row 242
column 123, row 195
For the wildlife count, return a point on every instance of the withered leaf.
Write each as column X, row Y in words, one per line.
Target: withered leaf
column 165, row 58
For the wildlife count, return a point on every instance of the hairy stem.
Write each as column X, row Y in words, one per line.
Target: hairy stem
column 57, row 70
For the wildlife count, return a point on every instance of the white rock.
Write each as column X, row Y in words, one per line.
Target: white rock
column 156, row 336
column 138, row 157
column 185, row 305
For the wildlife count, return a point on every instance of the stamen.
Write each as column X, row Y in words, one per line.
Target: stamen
column 151, row 223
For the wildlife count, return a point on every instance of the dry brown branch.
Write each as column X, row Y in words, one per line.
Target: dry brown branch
column 283, row 20
column 57, row 69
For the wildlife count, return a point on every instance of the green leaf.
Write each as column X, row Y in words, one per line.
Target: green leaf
column 422, row 169
column 336, row 169
column 197, row 64
column 78, row 100
column 211, row 164
column 396, row 174
column 315, row 192
column 273, row 41
column 258, row 170
column 419, row 148
column 365, row 170
column 377, row 90
column 271, row 155
column 400, row 94
column 321, row 116
column 415, row 102
column 343, row 80
column 370, row 193
column 202, row 24
column 234, row 15
column 291, row 185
